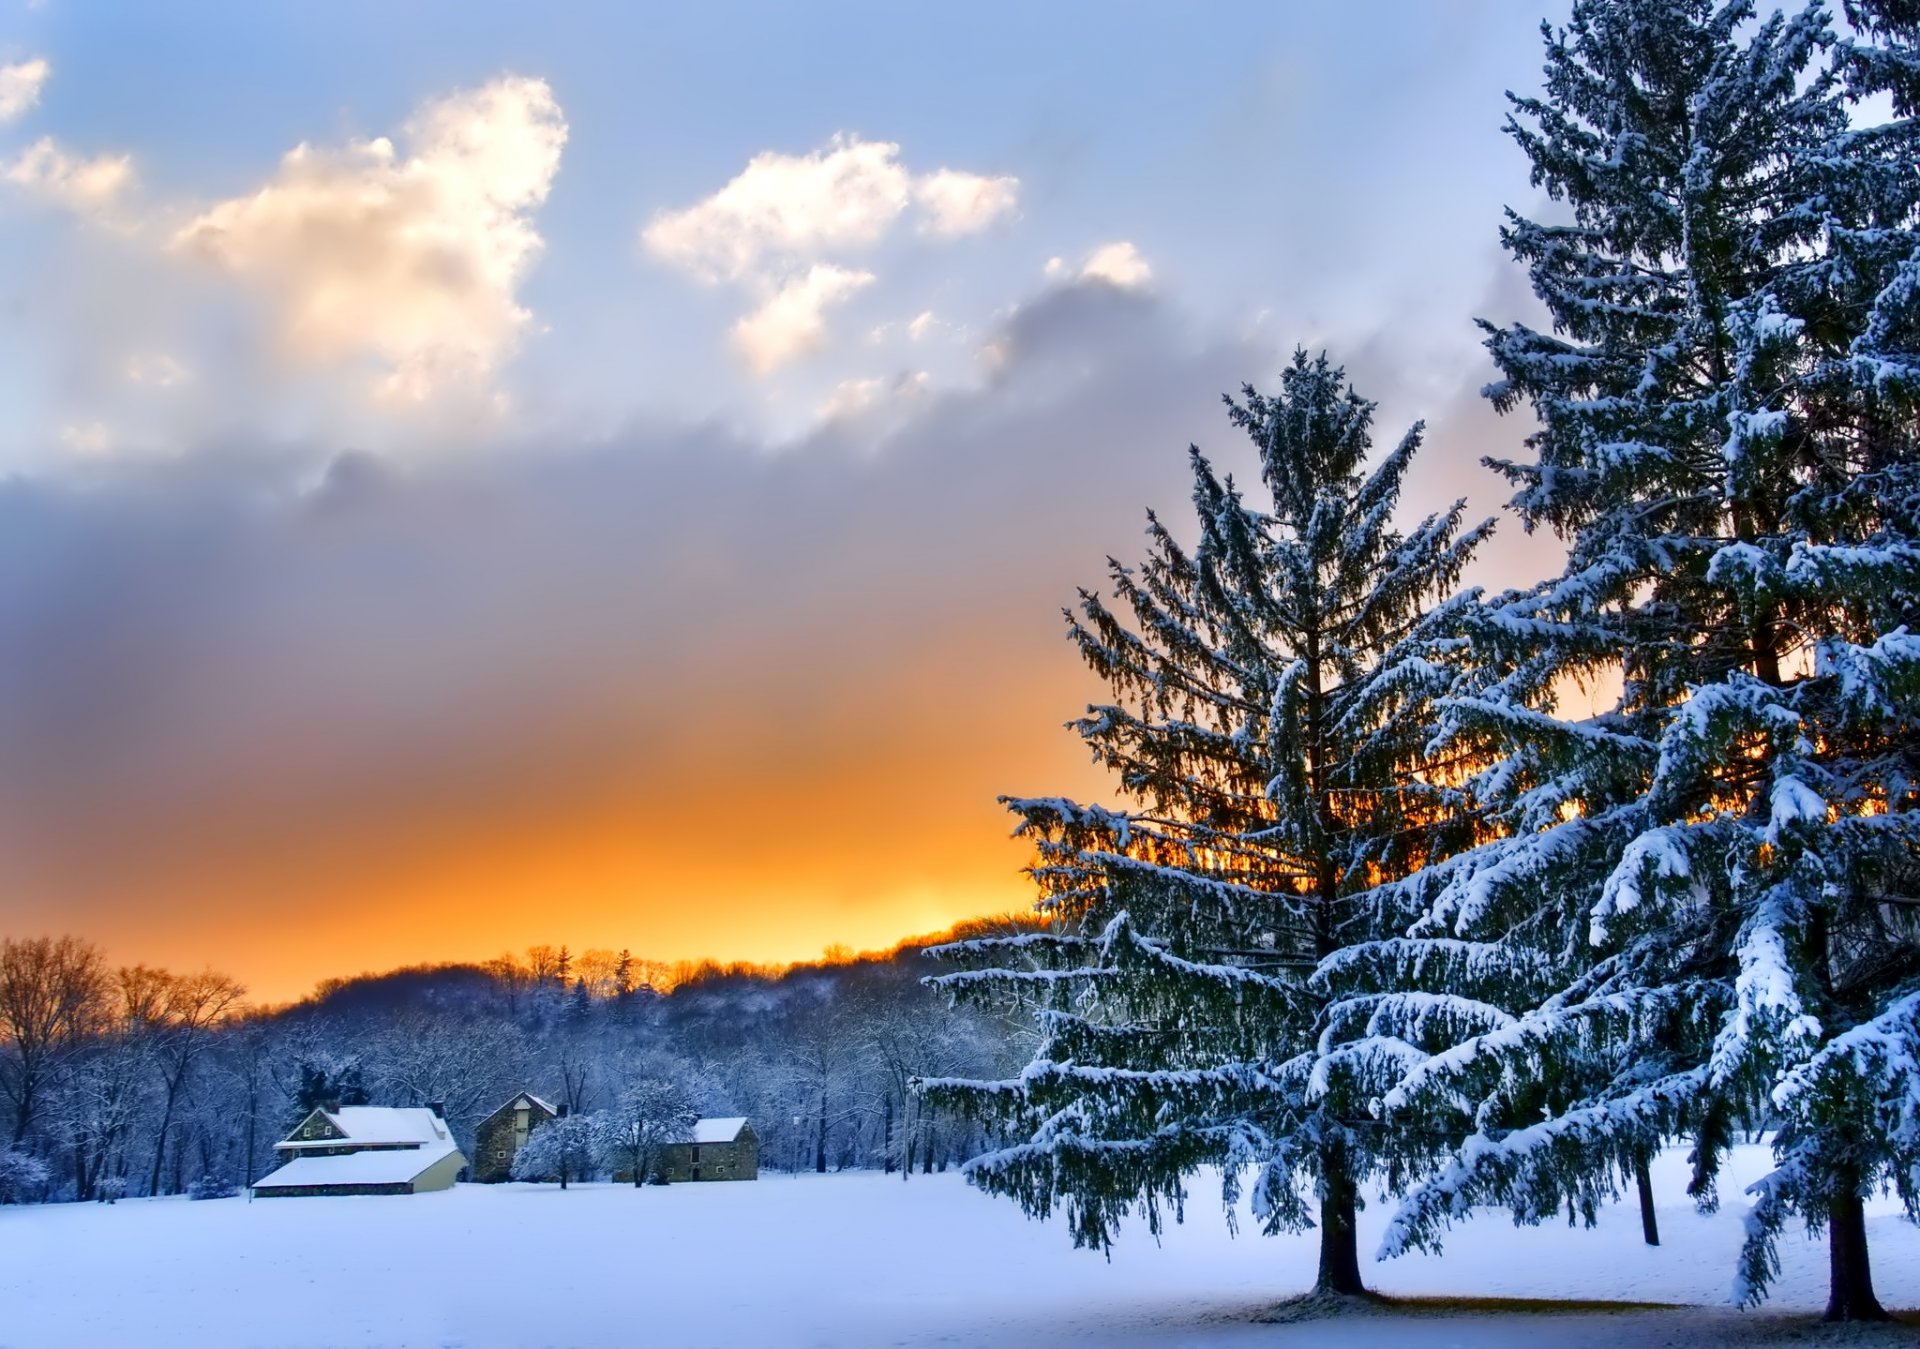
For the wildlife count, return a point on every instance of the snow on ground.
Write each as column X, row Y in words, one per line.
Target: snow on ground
column 854, row 1260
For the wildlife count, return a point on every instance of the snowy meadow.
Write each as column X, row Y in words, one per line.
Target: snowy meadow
column 852, row 1259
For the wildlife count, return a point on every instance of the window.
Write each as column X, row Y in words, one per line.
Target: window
column 696, row 1155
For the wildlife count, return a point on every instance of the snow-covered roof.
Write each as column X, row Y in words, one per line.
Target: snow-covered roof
column 716, row 1130
column 520, row 1096
column 388, row 1166
column 378, row 1124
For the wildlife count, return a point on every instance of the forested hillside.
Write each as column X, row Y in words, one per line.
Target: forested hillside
column 139, row 1081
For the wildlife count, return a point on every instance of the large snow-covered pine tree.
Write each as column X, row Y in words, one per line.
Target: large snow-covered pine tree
column 1717, row 866
column 1267, row 736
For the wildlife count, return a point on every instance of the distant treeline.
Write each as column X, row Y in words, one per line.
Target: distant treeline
column 135, row 1081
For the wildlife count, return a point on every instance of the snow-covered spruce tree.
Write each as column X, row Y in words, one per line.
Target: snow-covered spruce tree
column 1267, row 735
column 1718, row 869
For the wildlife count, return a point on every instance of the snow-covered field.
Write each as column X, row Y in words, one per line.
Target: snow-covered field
column 856, row 1259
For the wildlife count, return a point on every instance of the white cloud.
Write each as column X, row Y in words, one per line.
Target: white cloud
column 792, row 322
column 855, row 397
column 1056, row 267
column 413, row 260
column 964, row 203
column 89, row 187
column 1117, row 264
column 772, row 227
column 850, row 397
column 87, row 438
column 158, row 371
column 921, row 325
column 20, row 85
column 847, row 194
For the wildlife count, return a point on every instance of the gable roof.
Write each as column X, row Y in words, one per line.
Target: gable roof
column 371, row 1125
column 514, row 1100
column 716, row 1130
column 389, row 1166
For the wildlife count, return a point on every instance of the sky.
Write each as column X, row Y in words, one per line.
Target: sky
column 474, row 475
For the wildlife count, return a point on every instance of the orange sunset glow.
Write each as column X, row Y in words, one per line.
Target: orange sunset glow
column 695, row 591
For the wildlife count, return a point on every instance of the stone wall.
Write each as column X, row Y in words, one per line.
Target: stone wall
column 738, row 1160
column 497, row 1139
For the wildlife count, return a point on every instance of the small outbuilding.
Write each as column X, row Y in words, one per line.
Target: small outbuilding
column 714, row 1149
column 501, row 1135
column 365, row 1149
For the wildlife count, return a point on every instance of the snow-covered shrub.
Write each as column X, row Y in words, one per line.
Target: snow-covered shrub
column 23, row 1177
column 212, row 1187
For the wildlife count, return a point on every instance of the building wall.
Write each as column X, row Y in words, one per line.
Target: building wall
column 441, row 1175
column 738, row 1160
column 499, row 1138
column 301, row 1191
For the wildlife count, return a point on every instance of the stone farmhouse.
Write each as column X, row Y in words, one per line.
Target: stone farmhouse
column 365, row 1149
column 498, row 1138
column 714, row 1149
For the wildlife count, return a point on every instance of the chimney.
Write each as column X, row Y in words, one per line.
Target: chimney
column 439, row 1108
column 565, row 1109
column 331, row 1105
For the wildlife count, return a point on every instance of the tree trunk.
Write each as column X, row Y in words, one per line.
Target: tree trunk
column 1643, row 1179
column 820, row 1139
column 252, row 1124
column 1339, row 1237
column 166, row 1127
column 1850, row 1291
column 886, row 1138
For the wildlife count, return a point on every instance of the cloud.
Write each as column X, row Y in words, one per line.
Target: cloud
column 773, row 226
column 853, row 398
column 785, row 207
column 792, row 322
column 411, row 261
column 434, row 708
column 20, row 85
column 93, row 188
column 964, row 203
column 1118, row 264
column 87, row 438
column 158, row 370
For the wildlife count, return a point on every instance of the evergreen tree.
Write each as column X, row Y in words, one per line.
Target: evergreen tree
column 1267, row 734
column 1713, row 869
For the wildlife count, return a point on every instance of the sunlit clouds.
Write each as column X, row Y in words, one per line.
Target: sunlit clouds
column 770, row 228
column 610, row 482
column 793, row 320
column 1117, row 264
column 94, row 187
column 410, row 255
column 960, row 203
column 20, row 85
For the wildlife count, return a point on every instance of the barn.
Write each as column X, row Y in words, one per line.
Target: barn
column 365, row 1149
column 500, row 1136
column 714, row 1149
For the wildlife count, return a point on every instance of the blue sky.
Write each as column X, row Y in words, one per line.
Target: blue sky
column 464, row 468
column 1320, row 172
